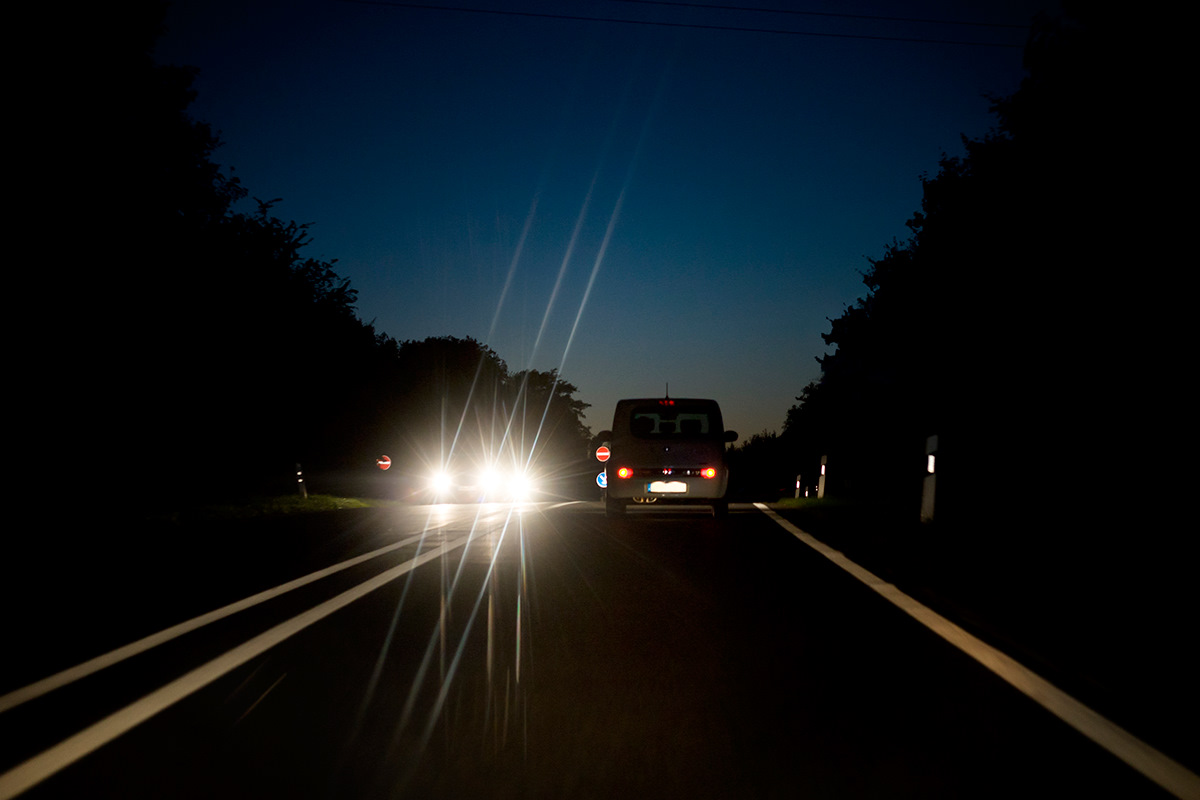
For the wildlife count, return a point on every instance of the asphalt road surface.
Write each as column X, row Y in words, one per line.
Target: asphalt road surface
column 497, row 652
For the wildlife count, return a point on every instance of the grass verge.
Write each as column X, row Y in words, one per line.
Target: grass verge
column 268, row 507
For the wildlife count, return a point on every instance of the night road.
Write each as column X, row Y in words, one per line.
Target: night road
column 540, row 652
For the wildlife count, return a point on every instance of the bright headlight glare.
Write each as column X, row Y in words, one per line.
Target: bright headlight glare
column 520, row 487
column 440, row 481
column 490, row 479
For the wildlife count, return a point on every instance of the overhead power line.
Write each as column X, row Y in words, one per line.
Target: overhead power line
column 691, row 25
column 794, row 12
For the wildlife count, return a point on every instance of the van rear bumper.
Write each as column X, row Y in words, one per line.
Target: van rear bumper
column 668, row 487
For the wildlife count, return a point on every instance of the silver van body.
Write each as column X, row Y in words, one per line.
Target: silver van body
column 667, row 450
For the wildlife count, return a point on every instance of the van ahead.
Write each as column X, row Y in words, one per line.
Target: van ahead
column 667, row 450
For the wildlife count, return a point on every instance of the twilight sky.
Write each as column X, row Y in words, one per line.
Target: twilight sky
column 631, row 204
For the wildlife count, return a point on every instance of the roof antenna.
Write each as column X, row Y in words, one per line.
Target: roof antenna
column 668, row 394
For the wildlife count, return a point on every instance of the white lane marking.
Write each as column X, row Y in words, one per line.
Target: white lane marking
column 28, row 774
column 60, row 679
column 1163, row 770
column 564, row 504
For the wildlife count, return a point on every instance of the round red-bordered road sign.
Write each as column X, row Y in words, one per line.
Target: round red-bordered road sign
column 384, row 462
column 602, row 453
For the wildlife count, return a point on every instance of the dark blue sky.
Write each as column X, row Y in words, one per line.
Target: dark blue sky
column 633, row 205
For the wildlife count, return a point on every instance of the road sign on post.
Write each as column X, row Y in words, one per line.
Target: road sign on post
column 603, row 453
column 384, row 462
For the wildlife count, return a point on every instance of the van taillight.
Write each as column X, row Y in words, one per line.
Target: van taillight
column 624, row 472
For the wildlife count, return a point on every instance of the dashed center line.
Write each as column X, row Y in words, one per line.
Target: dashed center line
column 47, row 763
column 60, row 679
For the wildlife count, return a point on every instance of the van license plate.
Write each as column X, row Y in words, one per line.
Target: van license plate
column 667, row 486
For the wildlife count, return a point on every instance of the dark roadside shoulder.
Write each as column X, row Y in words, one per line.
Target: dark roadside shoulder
column 1111, row 626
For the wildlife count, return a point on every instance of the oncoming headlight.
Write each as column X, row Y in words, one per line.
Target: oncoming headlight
column 520, row 487
column 441, row 482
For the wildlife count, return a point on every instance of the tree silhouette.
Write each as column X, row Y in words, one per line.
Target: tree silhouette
column 548, row 419
column 453, row 401
column 1000, row 323
column 197, row 352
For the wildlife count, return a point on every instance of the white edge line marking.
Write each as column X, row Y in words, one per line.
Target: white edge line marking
column 1159, row 768
column 70, row 750
column 72, row 674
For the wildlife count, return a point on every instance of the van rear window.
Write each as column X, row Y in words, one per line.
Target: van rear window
column 651, row 422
